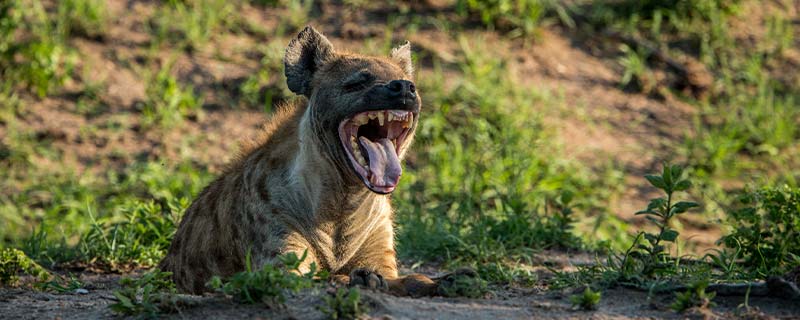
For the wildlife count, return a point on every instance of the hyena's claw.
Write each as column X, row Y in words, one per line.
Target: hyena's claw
column 368, row 279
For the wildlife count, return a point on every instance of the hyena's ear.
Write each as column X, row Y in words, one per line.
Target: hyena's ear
column 402, row 55
column 304, row 55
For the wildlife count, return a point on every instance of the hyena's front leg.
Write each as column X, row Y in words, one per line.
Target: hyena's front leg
column 375, row 266
column 301, row 249
column 272, row 252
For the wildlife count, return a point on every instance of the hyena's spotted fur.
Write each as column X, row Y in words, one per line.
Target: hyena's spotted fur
column 293, row 190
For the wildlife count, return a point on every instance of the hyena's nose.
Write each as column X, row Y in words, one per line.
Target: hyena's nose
column 402, row 88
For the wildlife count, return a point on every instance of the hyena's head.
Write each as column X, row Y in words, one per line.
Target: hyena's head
column 362, row 110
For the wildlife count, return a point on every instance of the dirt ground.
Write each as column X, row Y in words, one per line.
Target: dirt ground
column 501, row 303
column 603, row 124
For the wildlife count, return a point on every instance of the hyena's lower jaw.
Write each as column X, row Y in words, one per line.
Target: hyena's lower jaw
column 372, row 142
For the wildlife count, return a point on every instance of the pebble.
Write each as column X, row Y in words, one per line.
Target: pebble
column 81, row 291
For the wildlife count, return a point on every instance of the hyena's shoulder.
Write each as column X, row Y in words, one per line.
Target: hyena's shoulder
column 277, row 139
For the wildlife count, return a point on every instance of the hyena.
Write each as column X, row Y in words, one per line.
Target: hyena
column 317, row 180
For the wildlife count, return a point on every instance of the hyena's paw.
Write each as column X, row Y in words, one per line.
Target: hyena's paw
column 368, row 279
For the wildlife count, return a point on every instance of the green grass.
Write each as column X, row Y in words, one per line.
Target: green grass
column 190, row 24
column 470, row 200
column 32, row 55
column 169, row 102
column 487, row 186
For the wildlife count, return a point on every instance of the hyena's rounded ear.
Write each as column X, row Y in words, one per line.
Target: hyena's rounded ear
column 304, row 56
column 402, row 55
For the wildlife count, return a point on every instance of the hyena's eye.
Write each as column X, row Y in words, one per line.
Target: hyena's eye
column 360, row 82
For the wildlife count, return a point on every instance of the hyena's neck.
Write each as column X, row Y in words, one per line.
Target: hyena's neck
column 319, row 187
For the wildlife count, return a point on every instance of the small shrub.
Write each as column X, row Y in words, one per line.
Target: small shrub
column 344, row 304
column 13, row 262
column 587, row 300
column 660, row 211
column 148, row 296
column 696, row 296
column 267, row 285
column 767, row 232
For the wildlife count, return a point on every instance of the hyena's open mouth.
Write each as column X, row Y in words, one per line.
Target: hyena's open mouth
column 372, row 140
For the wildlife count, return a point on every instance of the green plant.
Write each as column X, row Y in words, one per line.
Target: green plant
column 267, row 86
column 480, row 191
column 660, row 212
column 148, row 296
column 587, row 300
column 459, row 284
column 636, row 73
column 38, row 61
column 140, row 240
column 267, row 285
column 647, row 261
column 168, row 102
column 190, row 24
column 767, row 231
column 522, row 17
column 344, row 304
column 87, row 18
column 695, row 296
column 61, row 284
column 14, row 261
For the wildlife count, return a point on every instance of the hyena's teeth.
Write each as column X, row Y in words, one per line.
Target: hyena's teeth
column 390, row 116
column 361, row 119
column 372, row 115
column 409, row 118
column 380, row 118
column 360, row 158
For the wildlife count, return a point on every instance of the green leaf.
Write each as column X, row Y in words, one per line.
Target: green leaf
column 125, row 304
column 657, row 203
column 566, row 197
column 682, row 207
column 683, row 185
column 653, row 220
column 648, row 211
column 669, row 235
column 656, row 181
column 650, row 238
column 676, row 172
column 666, row 175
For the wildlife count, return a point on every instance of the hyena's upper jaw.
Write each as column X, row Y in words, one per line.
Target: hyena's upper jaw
column 372, row 141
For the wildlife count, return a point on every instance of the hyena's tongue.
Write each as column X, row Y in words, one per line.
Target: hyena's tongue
column 384, row 165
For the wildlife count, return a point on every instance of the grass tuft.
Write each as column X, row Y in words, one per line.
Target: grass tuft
column 344, row 304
